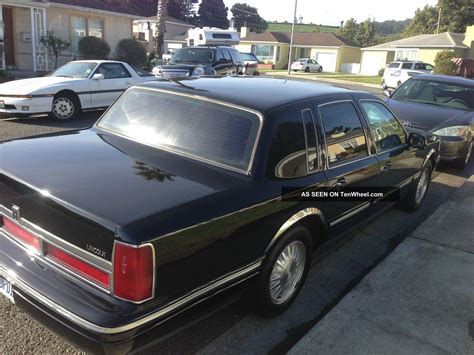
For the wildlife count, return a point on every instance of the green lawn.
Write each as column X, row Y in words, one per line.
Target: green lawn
column 286, row 27
column 359, row 78
column 338, row 76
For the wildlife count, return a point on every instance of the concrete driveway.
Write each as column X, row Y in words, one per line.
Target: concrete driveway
column 233, row 328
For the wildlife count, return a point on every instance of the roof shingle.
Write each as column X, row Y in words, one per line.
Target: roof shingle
column 317, row 39
column 130, row 7
column 446, row 39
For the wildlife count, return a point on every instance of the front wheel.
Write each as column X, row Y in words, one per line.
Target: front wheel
column 320, row 69
column 418, row 191
column 284, row 272
column 64, row 107
column 383, row 86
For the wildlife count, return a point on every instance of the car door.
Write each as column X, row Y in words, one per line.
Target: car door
column 397, row 163
column 105, row 90
column 313, row 66
column 348, row 158
column 220, row 65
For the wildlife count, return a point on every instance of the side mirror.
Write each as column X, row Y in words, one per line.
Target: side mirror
column 416, row 140
column 98, row 77
column 387, row 93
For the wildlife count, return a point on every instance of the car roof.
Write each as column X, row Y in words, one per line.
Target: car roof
column 446, row 79
column 257, row 93
column 96, row 61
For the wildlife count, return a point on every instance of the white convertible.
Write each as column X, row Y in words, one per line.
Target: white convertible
column 76, row 86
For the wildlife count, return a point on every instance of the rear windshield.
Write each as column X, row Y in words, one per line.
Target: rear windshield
column 189, row 126
column 193, row 55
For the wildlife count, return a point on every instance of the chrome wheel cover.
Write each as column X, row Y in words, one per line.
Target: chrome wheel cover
column 287, row 272
column 422, row 186
column 63, row 108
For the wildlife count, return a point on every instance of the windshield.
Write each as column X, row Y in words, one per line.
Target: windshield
column 437, row 93
column 75, row 70
column 248, row 57
column 189, row 126
column 193, row 55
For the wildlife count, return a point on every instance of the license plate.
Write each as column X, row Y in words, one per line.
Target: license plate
column 2, row 104
column 6, row 289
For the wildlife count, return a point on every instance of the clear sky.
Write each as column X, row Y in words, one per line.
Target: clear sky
column 332, row 12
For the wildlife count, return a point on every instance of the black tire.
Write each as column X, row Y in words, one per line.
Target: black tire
column 298, row 237
column 462, row 162
column 411, row 202
column 295, row 70
column 320, row 69
column 383, row 85
column 306, row 70
column 65, row 107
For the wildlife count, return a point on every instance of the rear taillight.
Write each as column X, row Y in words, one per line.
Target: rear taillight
column 21, row 234
column 80, row 267
column 134, row 272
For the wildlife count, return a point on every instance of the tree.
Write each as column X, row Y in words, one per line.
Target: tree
column 161, row 14
column 349, row 30
column 182, row 9
column 213, row 13
column 366, row 33
column 444, row 63
column 55, row 45
column 245, row 15
column 456, row 15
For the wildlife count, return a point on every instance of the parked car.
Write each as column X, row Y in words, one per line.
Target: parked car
column 76, row 86
column 199, row 61
column 175, row 195
column 250, row 64
column 442, row 105
column 396, row 73
column 307, row 65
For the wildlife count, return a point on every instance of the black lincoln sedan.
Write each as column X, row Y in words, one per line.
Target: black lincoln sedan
column 442, row 105
column 186, row 188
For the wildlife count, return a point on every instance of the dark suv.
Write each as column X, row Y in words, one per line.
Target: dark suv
column 199, row 61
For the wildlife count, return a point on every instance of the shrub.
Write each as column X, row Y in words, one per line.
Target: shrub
column 381, row 71
column 132, row 52
column 55, row 46
column 444, row 64
column 93, row 48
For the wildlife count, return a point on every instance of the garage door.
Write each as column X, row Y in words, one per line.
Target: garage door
column 327, row 60
column 372, row 62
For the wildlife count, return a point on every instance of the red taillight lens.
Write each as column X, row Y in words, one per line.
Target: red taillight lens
column 21, row 234
column 133, row 272
column 74, row 264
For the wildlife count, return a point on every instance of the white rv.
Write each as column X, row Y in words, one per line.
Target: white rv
column 212, row 37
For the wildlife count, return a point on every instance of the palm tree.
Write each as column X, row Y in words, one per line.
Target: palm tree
column 161, row 14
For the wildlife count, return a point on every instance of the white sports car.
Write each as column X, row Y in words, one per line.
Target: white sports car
column 76, row 86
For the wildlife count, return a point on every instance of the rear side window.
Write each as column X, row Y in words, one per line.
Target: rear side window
column 345, row 139
column 387, row 131
column 226, row 55
column 393, row 65
column 236, row 57
column 423, row 66
column 406, row 66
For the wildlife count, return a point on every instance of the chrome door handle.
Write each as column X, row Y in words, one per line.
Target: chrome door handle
column 340, row 183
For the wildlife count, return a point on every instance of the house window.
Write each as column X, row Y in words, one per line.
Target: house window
column 82, row 27
column 263, row 51
column 79, row 30
column 406, row 54
column 278, row 53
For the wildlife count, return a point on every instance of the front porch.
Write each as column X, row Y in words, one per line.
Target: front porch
column 23, row 23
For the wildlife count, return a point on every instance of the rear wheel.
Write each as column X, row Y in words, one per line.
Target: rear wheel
column 418, row 191
column 284, row 272
column 306, row 70
column 64, row 107
column 320, row 69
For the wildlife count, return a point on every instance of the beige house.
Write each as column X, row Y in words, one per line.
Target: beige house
column 422, row 47
column 175, row 35
column 333, row 52
column 24, row 22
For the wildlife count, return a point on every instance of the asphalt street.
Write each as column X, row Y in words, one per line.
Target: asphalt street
column 234, row 328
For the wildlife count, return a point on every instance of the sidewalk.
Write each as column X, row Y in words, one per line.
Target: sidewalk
column 321, row 78
column 419, row 300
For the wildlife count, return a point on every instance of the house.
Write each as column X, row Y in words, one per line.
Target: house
column 175, row 35
column 25, row 21
column 422, row 47
column 333, row 52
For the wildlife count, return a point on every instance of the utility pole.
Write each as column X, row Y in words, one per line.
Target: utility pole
column 439, row 20
column 291, row 40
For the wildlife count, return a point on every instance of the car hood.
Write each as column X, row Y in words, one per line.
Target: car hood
column 181, row 66
column 29, row 86
column 109, row 177
column 428, row 117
